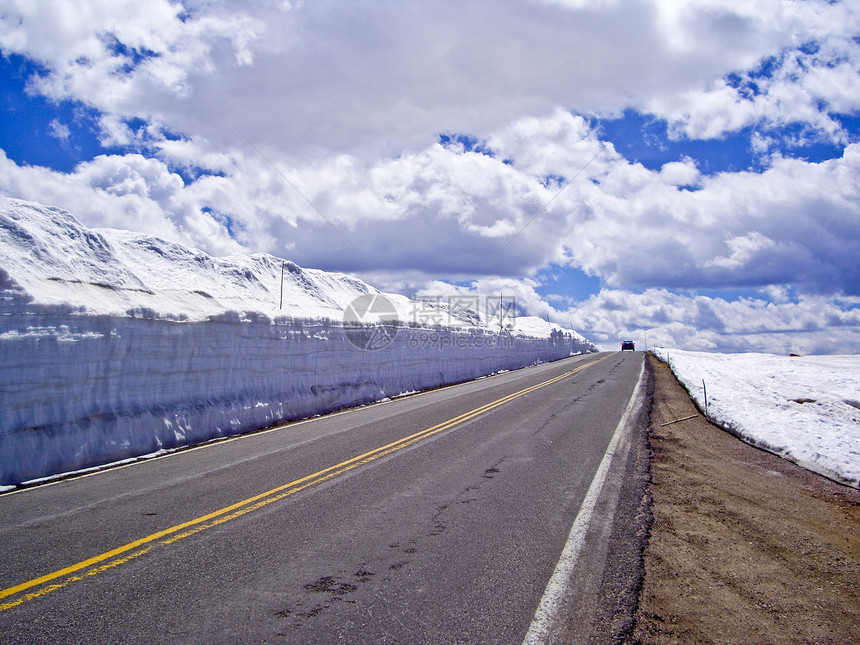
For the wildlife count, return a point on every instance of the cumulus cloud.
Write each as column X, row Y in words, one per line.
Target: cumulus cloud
column 663, row 318
column 807, row 86
column 738, row 229
column 128, row 192
column 59, row 130
column 659, row 317
column 312, row 130
column 114, row 55
column 449, row 213
column 384, row 76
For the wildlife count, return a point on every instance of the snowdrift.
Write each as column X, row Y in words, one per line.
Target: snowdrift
column 116, row 345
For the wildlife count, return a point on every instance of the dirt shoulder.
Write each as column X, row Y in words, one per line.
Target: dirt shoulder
column 744, row 547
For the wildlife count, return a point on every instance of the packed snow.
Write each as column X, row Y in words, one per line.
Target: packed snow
column 806, row 409
column 116, row 345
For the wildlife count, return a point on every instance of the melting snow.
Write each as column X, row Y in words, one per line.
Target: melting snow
column 805, row 409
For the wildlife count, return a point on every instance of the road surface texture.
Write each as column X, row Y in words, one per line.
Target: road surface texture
column 745, row 547
column 436, row 518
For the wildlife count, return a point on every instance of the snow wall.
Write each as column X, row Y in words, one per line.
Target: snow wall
column 90, row 390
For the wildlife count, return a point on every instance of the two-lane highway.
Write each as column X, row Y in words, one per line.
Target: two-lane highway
column 439, row 517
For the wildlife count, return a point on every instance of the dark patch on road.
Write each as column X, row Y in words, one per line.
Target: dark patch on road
column 330, row 584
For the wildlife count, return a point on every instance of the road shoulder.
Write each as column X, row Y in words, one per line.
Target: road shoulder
column 744, row 546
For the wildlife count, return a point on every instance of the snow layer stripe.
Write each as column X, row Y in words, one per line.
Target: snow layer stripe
column 215, row 518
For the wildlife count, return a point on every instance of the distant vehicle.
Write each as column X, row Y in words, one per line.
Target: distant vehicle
column 628, row 344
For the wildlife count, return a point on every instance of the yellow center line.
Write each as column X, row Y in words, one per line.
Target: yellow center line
column 215, row 518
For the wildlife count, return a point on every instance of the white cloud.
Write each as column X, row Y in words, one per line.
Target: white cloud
column 738, row 229
column 658, row 317
column 808, row 326
column 381, row 77
column 346, row 101
column 451, row 213
column 742, row 249
column 680, row 173
column 123, row 57
column 805, row 84
column 59, row 130
column 130, row 192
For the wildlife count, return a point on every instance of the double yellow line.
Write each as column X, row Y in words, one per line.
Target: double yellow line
column 109, row 559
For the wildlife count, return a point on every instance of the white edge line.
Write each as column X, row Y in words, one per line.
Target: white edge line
column 556, row 588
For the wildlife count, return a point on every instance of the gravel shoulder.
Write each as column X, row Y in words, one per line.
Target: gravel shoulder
column 744, row 547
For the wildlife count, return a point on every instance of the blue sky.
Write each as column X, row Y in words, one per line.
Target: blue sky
column 26, row 131
column 688, row 171
column 644, row 139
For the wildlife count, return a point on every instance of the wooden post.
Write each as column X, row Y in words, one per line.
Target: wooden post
column 281, row 303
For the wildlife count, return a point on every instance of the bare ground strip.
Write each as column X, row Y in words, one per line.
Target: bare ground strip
column 744, row 547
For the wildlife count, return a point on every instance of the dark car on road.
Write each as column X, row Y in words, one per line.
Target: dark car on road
column 628, row 344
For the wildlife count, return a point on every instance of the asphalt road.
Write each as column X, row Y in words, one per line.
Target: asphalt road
column 433, row 518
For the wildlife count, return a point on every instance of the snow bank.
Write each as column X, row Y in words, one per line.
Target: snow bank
column 806, row 409
column 116, row 345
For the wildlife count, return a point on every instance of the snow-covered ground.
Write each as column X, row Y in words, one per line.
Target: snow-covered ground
column 115, row 345
column 806, row 409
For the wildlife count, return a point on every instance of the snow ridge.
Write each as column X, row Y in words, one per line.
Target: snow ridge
column 116, row 345
column 58, row 261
